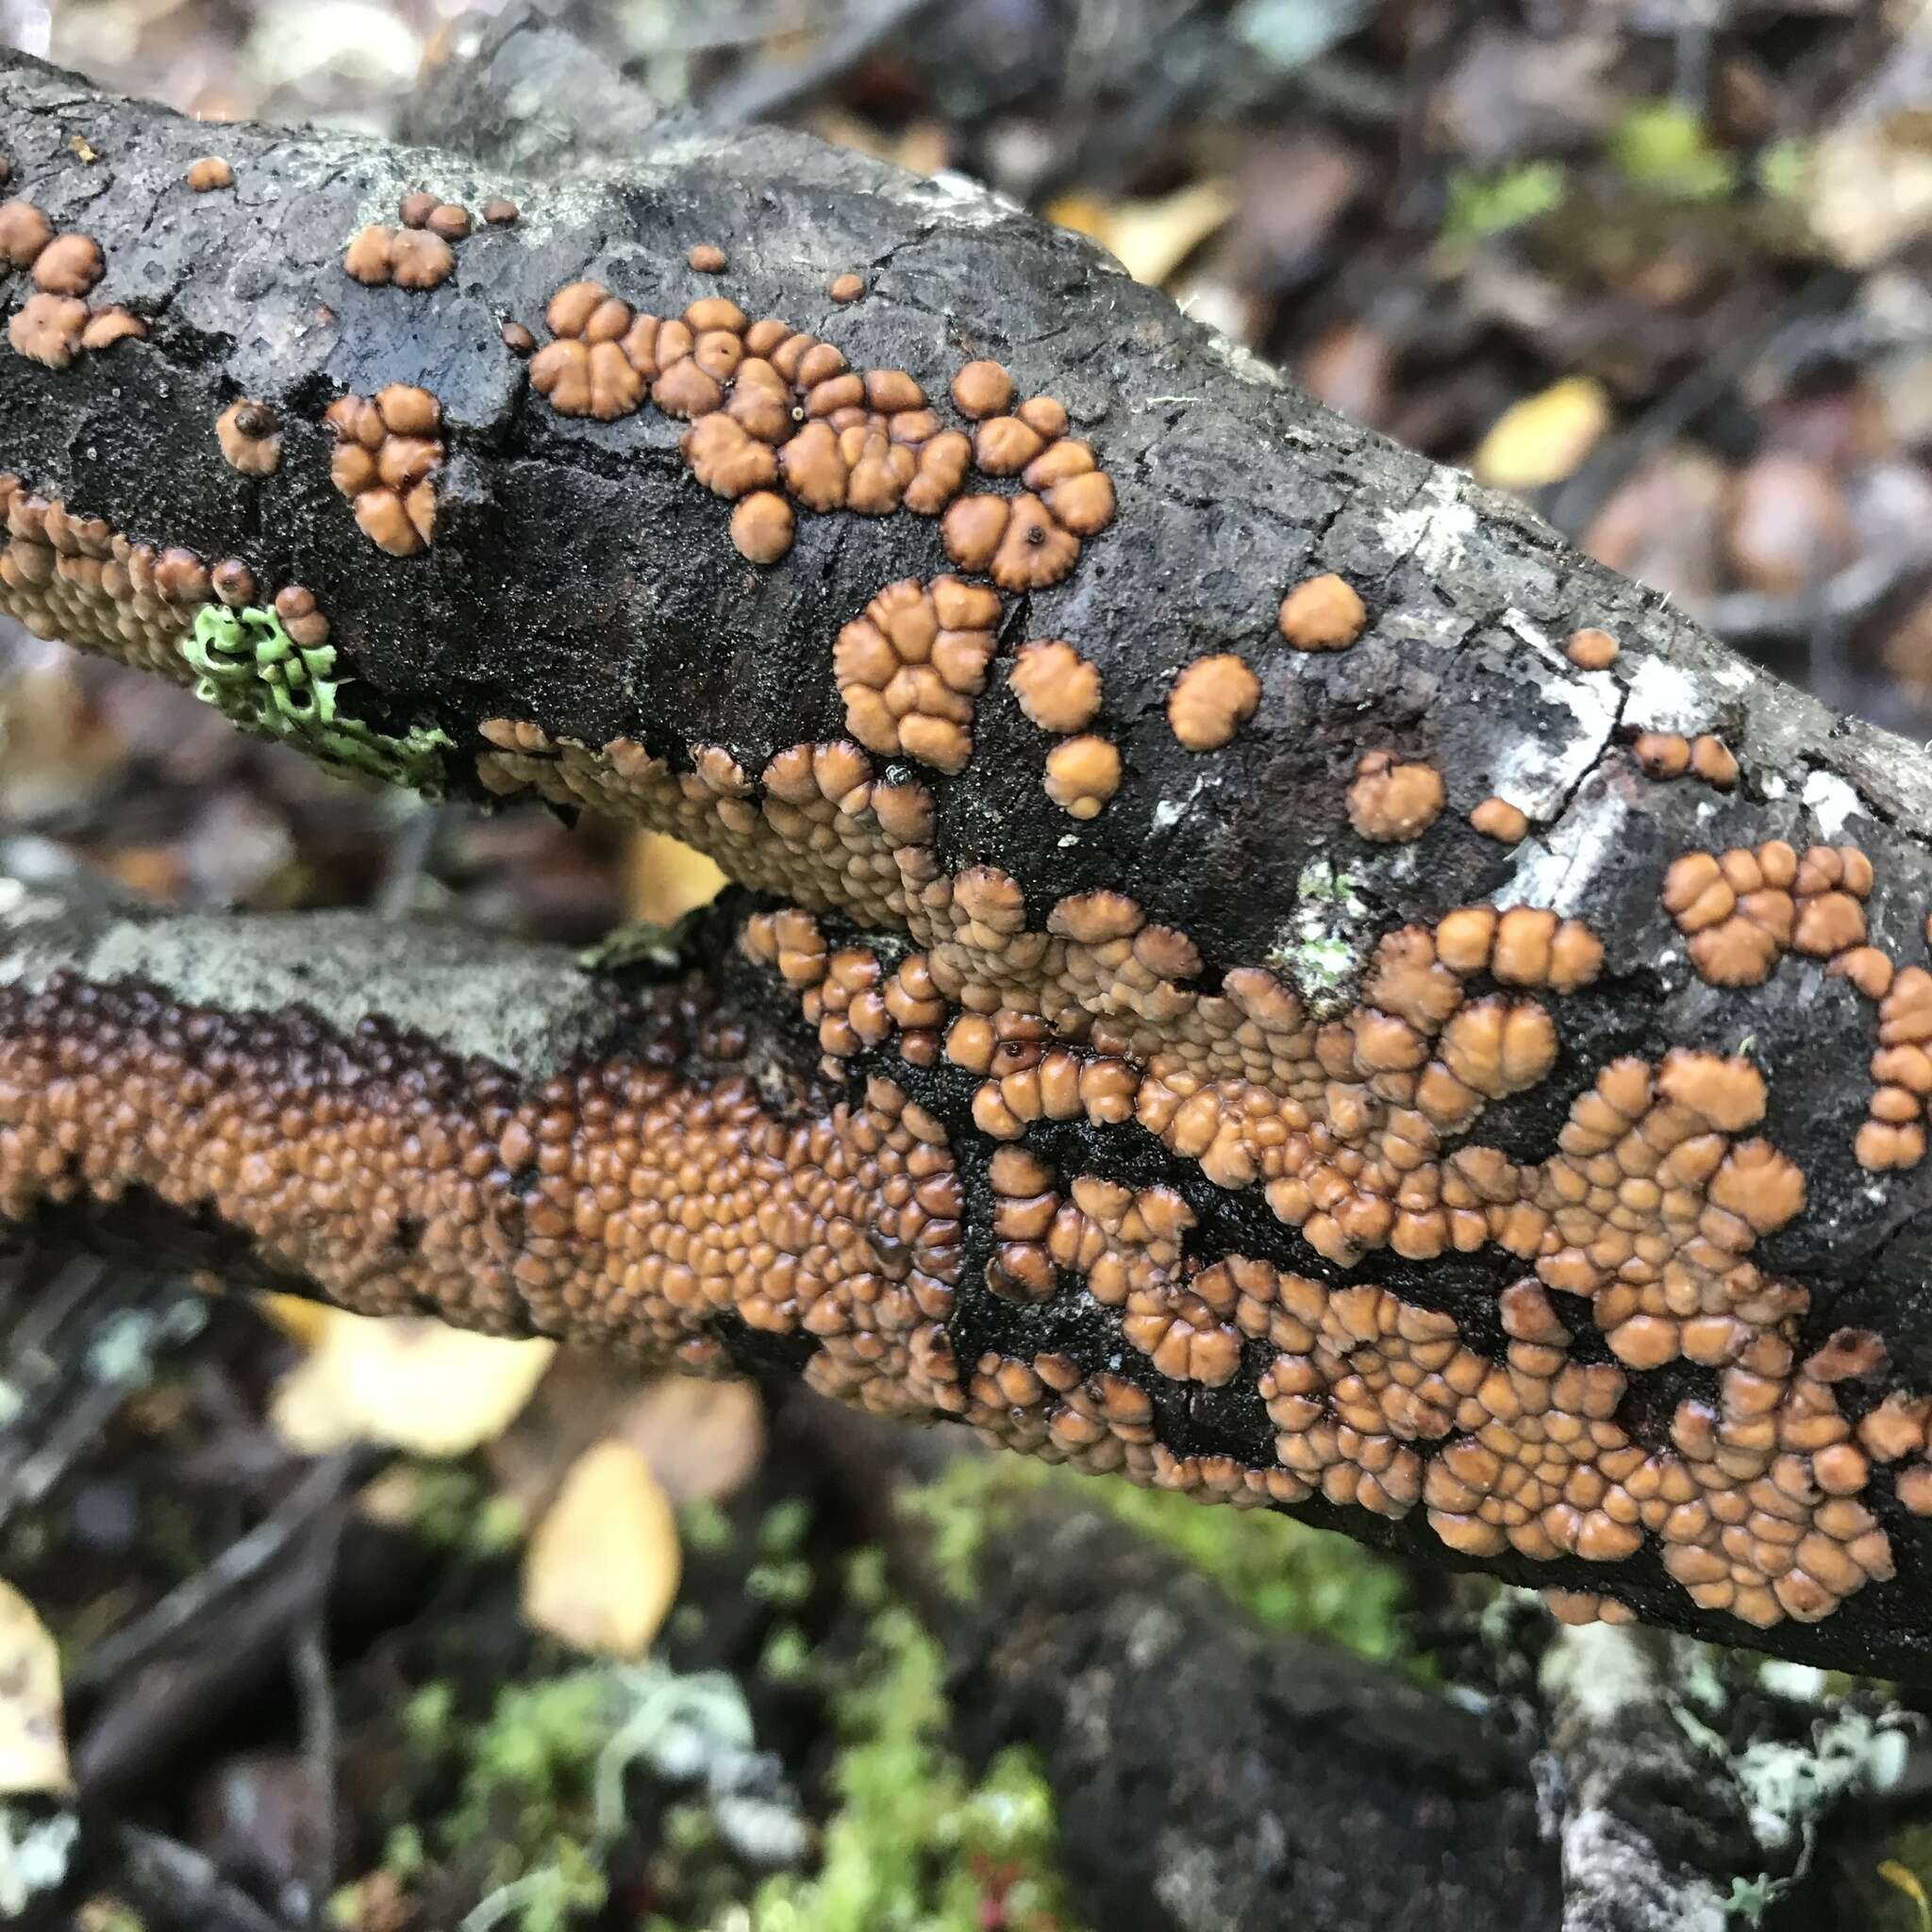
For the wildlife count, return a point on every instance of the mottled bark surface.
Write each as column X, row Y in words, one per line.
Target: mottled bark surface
column 582, row 583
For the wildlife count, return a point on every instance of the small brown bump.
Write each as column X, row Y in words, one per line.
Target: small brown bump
column 368, row 257
column 24, row 232
column 1392, row 802
column 420, row 259
column 1591, row 649
column 1662, row 754
column 762, row 526
column 250, row 436
column 449, row 220
column 68, row 265
column 517, row 339
column 1082, row 774
column 47, row 330
column 1210, row 700
column 1057, row 689
column 707, row 257
column 846, row 288
column 414, row 210
column 1497, row 818
column 208, row 172
column 500, row 213
column 1711, row 760
column 982, row 388
column 108, row 327
column 1323, row 614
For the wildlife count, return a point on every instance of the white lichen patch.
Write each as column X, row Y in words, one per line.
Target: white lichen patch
column 1558, row 871
column 1664, row 697
column 1436, row 529
column 1831, row 802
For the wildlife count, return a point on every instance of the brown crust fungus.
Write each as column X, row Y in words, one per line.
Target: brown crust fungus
column 1323, row 614
column 1057, row 689
column 211, row 171
column 846, row 288
column 1210, row 700
column 707, row 257
column 1497, row 819
column 1590, row 649
column 69, row 264
column 388, row 451
column 24, row 232
column 1393, row 801
column 762, row 526
column 250, row 436
column 1082, row 774
column 910, row 669
column 47, row 330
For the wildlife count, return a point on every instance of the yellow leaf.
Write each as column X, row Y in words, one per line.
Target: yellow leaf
column 665, row 878
column 603, row 1567
column 1149, row 239
column 1907, row 1880
column 300, row 1320
column 405, row 1380
column 33, row 1751
column 1542, row 439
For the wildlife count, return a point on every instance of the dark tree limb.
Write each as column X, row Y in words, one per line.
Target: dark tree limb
column 580, row 624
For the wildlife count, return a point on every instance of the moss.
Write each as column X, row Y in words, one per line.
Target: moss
column 1287, row 1575
column 1665, row 149
column 1483, row 204
column 914, row 1843
column 253, row 673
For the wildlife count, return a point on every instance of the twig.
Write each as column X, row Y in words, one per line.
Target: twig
column 309, row 1664
column 244, row 1559
column 769, row 88
column 167, row 1877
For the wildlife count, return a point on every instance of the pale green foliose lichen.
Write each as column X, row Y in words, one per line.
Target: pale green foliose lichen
column 250, row 669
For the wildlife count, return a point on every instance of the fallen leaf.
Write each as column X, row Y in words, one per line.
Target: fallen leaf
column 33, row 1751
column 407, row 1381
column 1868, row 195
column 1905, row 1880
column 602, row 1568
column 1149, row 239
column 702, row 1439
column 665, row 878
column 1541, row 440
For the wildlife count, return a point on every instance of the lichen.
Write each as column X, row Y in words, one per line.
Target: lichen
column 258, row 679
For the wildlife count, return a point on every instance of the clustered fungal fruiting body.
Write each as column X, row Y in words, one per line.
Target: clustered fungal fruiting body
column 55, row 325
column 1392, row 801
column 910, row 668
column 1743, row 910
column 617, row 1202
column 388, row 451
column 1210, row 700
column 1670, row 755
column 258, row 677
column 780, row 420
column 628, row 1201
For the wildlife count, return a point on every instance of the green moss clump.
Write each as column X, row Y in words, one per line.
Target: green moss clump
column 250, row 669
column 1665, row 149
column 1484, row 205
column 914, row 1843
column 1287, row 1575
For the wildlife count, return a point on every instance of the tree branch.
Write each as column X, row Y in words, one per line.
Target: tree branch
column 1385, row 1053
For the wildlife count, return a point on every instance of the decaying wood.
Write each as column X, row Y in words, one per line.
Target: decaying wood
column 581, row 586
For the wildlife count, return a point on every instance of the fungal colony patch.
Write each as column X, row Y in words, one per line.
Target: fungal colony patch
column 55, row 324
column 658, row 1202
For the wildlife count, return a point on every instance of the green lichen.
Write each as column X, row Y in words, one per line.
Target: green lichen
column 1287, row 1575
column 250, row 669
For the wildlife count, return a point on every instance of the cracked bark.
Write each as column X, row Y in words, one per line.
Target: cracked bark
column 581, row 580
